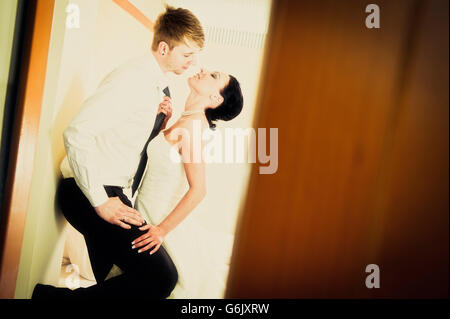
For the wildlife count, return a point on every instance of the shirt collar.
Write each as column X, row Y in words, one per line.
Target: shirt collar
column 161, row 78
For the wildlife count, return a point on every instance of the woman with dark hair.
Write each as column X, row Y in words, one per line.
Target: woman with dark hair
column 173, row 185
column 174, row 182
column 231, row 106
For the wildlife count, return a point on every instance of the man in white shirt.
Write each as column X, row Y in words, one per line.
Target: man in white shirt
column 104, row 143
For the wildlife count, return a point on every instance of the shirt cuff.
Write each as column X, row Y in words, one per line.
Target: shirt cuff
column 97, row 196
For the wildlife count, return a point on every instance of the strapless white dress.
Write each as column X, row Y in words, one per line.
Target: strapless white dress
column 200, row 256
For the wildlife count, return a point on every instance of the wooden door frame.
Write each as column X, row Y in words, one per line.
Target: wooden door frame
column 127, row 6
column 24, row 141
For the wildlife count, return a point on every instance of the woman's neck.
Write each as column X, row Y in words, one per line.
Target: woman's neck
column 194, row 102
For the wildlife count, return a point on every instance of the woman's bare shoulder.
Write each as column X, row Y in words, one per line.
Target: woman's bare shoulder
column 194, row 122
column 194, row 126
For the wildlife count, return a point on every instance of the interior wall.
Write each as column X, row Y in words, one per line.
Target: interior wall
column 78, row 59
column 234, row 45
column 7, row 23
column 8, row 12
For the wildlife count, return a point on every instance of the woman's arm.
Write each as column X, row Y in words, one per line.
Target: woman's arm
column 195, row 174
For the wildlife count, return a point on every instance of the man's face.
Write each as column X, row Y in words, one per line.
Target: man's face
column 181, row 57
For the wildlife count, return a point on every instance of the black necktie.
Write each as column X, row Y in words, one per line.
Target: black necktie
column 143, row 161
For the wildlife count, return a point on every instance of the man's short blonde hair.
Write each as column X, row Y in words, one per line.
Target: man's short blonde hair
column 175, row 26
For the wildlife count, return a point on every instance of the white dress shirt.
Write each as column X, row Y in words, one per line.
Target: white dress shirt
column 105, row 140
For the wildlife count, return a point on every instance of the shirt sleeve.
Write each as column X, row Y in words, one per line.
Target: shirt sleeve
column 106, row 108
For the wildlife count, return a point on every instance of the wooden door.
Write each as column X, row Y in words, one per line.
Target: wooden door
column 362, row 118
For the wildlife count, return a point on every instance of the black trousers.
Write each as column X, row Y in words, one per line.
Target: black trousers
column 144, row 275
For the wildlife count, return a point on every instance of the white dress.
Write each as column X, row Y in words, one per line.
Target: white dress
column 200, row 256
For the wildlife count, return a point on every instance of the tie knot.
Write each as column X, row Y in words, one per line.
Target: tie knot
column 166, row 91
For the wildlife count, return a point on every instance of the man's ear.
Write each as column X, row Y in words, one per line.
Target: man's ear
column 163, row 48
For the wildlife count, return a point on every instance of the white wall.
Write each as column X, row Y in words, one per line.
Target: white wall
column 235, row 32
column 7, row 23
column 78, row 59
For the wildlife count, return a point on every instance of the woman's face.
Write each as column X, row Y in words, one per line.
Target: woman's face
column 208, row 83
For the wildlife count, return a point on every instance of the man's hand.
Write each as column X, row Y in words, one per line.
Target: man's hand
column 154, row 237
column 117, row 213
column 165, row 107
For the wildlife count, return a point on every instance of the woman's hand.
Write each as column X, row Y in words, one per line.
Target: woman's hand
column 154, row 237
column 165, row 107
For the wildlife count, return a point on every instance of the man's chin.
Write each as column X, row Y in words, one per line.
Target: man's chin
column 179, row 72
